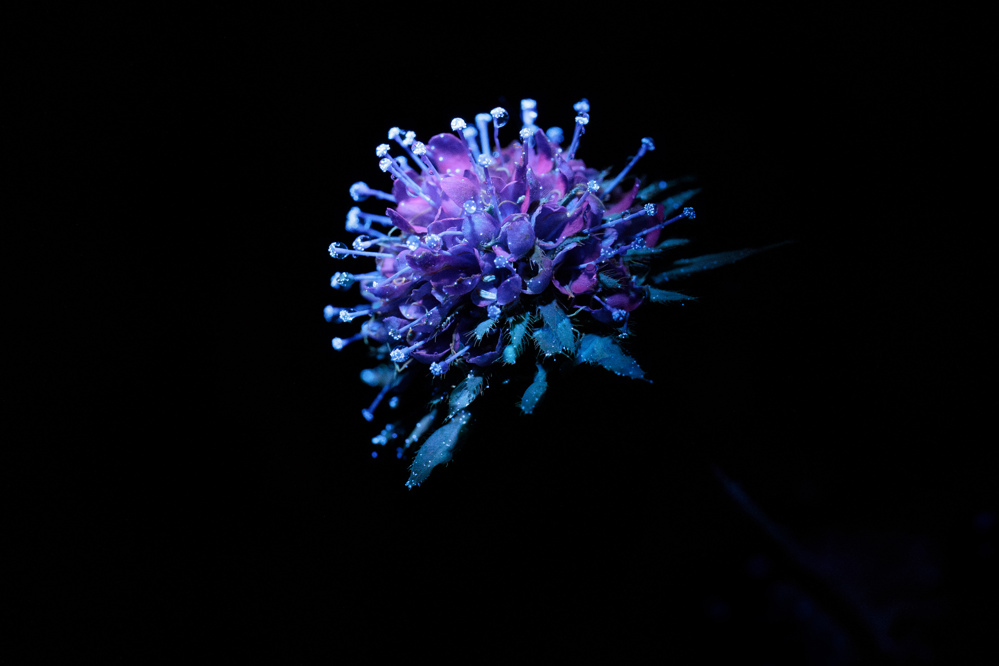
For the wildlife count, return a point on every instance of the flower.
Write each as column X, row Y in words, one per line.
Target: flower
column 483, row 248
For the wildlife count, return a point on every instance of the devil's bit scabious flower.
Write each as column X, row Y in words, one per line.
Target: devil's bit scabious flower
column 482, row 249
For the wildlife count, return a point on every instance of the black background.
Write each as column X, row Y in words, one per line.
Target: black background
column 194, row 465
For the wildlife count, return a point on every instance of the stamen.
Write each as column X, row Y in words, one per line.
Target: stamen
column 688, row 212
column 470, row 134
column 369, row 413
column 526, row 141
column 399, row 332
column 363, row 242
column 398, row 274
column 500, row 118
column 360, row 191
column 606, row 253
column 340, row 343
column 459, row 127
column 349, row 315
column 582, row 120
column 339, row 251
column 388, row 164
column 648, row 209
column 400, row 354
column 395, row 133
column 482, row 121
column 342, row 280
column 647, row 145
column 528, row 112
column 591, row 188
column 420, row 150
column 438, row 369
column 354, row 217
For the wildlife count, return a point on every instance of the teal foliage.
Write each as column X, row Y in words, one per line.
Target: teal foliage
column 607, row 353
column 534, row 392
column 684, row 267
column 556, row 334
column 663, row 296
column 437, row 449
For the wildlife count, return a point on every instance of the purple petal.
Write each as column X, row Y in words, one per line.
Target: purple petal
column 540, row 158
column 509, row 290
column 479, row 228
column 519, row 235
column 486, row 357
column 549, row 221
column 624, row 203
column 449, row 154
column 400, row 221
column 426, row 261
column 459, row 189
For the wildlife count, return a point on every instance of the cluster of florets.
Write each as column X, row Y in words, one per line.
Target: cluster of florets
column 482, row 247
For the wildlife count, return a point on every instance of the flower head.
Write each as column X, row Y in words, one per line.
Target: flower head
column 482, row 248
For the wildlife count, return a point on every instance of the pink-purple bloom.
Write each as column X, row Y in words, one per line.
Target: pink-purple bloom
column 479, row 249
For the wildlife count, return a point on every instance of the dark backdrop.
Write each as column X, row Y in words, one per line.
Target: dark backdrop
column 195, row 451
